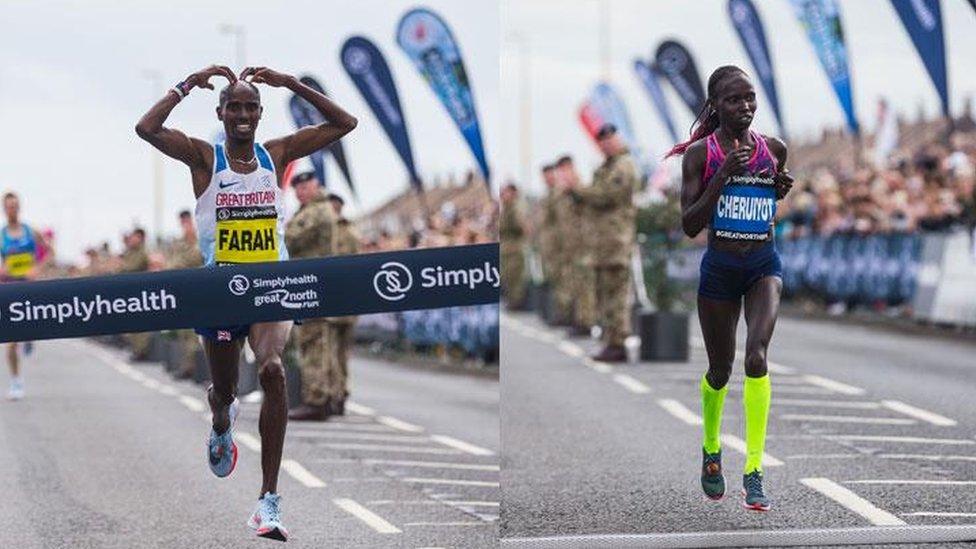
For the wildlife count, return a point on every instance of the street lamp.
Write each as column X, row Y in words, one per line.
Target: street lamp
column 525, row 104
column 240, row 36
column 155, row 80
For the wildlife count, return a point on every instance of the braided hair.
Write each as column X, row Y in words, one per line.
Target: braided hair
column 707, row 120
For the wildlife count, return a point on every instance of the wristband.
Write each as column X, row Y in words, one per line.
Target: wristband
column 183, row 88
column 179, row 94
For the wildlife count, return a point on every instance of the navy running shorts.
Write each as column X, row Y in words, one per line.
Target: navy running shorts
column 728, row 276
column 224, row 333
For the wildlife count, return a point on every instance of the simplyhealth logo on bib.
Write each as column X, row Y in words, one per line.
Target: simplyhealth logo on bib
column 746, row 208
column 394, row 279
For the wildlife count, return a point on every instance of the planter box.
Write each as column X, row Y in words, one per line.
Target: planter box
column 664, row 335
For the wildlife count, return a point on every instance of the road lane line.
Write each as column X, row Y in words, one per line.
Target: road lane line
column 248, row 440
column 848, row 419
column 631, row 384
column 934, row 514
column 833, row 385
column 167, row 390
column 908, row 440
column 817, row 403
column 788, row 389
column 852, row 501
column 433, row 464
column 739, row 445
column 399, row 424
column 915, row 482
column 345, row 435
column 679, row 411
column 151, row 383
column 301, row 474
column 360, row 409
column 601, row 367
column 929, row 457
column 371, row 519
column 454, row 482
column 194, row 404
column 571, row 349
column 447, row 524
column 461, row 445
column 391, row 448
column 434, row 502
column 918, row 413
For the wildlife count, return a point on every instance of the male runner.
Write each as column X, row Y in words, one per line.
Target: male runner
column 19, row 247
column 240, row 218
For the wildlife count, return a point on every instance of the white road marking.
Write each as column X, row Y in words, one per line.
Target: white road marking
column 357, row 436
column 816, row 403
column 679, row 411
column 360, row 409
column 301, row 474
column 776, row 368
column 909, row 440
column 432, row 464
column 739, row 445
column 461, row 445
column 151, row 383
column 601, row 367
column 824, row 456
column 933, row 514
column 371, row 519
column 399, row 424
column 446, row 523
column 434, row 502
column 929, row 457
column 631, row 384
column 916, row 482
column 571, row 349
column 788, row 389
column 848, row 419
column 852, row 501
column 248, row 440
column 918, row 413
column 167, row 390
column 391, row 448
column 455, row 482
column 194, row 404
column 833, row 385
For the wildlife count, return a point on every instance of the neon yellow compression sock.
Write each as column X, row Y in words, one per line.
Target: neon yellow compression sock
column 712, row 402
column 756, row 393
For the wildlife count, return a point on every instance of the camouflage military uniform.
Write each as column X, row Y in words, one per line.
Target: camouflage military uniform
column 311, row 233
column 511, row 232
column 582, row 277
column 136, row 261
column 550, row 244
column 612, row 215
column 339, row 330
column 185, row 254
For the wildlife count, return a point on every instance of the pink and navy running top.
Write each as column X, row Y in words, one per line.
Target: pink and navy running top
column 747, row 206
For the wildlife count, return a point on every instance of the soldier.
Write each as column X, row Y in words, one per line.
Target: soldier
column 311, row 232
column 610, row 207
column 511, row 233
column 340, row 329
column 135, row 260
column 550, row 244
column 580, row 277
column 184, row 253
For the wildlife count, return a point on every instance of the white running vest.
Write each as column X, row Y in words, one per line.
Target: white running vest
column 240, row 217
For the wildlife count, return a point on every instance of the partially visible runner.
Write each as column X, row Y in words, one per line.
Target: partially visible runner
column 240, row 215
column 20, row 248
column 731, row 180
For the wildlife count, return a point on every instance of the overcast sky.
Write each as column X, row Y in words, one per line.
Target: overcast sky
column 564, row 54
column 72, row 87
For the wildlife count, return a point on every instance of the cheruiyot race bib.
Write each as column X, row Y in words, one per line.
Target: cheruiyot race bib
column 746, row 209
column 246, row 235
column 18, row 265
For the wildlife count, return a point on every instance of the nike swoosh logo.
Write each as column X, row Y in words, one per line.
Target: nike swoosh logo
column 224, row 186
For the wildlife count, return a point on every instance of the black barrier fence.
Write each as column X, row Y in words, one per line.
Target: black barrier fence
column 243, row 294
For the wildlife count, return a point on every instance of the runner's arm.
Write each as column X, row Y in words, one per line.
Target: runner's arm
column 784, row 181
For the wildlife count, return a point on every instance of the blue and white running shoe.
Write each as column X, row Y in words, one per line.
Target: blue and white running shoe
column 221, row 449
column 266, row 519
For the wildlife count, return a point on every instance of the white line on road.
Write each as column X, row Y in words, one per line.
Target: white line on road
column 151, row 383
column 194, row 404
column 739, row 445
column 848, row 419
column 918, row 413
column 447, row 523
column 934, row 514
column 301, row 474
column 248, row 440
column 929, row 457
column 631, row 384
column 371, row 519
column 909, row 440
column 916, row 482
column 788, row 389
column 432, row 464
column 852, row 501
column 679, row 411
column 832, row 385
column 399, row 424
column 817, row 403
column 167, row 390
column 571, row 349
column 776, row 368
column 434, row 502
column 456, row 482
column 600, row 367
column 824, row 456
column 392, row 448
column 461, row 445
column 360, row 409
column 346, row 435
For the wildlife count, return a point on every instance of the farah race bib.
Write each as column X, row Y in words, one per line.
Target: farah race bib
column 746, row 209
column 246, row 235
column 18, row 265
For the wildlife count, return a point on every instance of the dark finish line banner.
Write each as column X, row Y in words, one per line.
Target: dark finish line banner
column 243, row 294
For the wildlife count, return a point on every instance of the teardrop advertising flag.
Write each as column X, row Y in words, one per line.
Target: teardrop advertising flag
column 676, row 63
column 429, row 43
column 590, row 118
column 649, row 77
column 368, row 70
column 336, row 149
column 923, row 21
column 304, row 114
column 821, row 19
column 748, row 25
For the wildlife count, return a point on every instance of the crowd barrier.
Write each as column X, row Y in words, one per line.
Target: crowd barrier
column 472, row 329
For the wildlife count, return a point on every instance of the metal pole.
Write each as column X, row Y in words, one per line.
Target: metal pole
column 525, row 106
column 604, row 36
column 240, row 42
column 155, row 79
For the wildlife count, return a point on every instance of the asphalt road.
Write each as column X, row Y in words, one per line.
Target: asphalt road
column 867, row 428
column 102, row 453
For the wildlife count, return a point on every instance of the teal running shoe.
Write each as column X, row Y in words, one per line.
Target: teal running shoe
column 712, row 479
column 754, row 498
column 266, row 519
column 221, row 449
